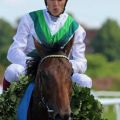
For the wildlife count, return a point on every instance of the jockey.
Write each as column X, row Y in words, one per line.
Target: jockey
column 53, row 24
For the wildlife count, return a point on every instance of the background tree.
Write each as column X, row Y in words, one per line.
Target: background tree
column 6, row 34
column 107, row 40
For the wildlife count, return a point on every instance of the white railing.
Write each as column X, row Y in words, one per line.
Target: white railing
column 0, row 89
column 109, row 98
column 107, row 93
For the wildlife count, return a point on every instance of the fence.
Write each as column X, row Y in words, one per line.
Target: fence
column 109, row 98
column 0, row 89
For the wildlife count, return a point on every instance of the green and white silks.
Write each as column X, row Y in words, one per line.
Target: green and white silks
column 59, row 39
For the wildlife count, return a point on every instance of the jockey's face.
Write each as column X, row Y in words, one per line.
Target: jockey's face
column 56, row 7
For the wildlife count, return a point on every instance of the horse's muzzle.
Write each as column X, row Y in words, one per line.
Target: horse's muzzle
column 65, row 117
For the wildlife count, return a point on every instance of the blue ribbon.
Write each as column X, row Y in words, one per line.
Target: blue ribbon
column 24, row 103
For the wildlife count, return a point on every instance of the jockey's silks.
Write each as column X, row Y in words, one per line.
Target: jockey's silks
column 61, row 38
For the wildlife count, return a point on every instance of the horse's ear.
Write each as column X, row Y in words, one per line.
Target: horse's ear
column 38, row 47
column 68, row 47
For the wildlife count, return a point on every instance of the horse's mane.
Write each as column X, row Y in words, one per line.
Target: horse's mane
column 32, row 65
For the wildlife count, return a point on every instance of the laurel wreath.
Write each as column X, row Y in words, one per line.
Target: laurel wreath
column 84, row 106
column 10, row 98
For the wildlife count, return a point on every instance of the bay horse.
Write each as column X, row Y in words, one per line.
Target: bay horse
column 53, row 86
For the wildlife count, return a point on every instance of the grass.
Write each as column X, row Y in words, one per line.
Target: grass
column 109, row 112
column 1, row 72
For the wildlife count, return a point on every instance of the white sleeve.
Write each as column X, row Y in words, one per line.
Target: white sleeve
column 16, row 52
column 77, row 55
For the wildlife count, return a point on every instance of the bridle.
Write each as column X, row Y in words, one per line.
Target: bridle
column 42, row 101
column 53, row 56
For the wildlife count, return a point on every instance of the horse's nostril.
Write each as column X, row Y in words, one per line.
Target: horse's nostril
column 57, row 117
column 66, row 117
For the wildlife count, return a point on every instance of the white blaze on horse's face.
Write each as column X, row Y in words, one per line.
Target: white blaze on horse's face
column 56, row 7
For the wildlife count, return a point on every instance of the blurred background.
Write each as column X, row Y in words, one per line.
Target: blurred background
column 100, row 19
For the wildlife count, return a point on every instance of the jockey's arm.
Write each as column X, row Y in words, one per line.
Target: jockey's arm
column 16, row 53
column 77, row 54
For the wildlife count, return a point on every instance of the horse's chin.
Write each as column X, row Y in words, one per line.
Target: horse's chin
column 58, row 117
column 63, row 119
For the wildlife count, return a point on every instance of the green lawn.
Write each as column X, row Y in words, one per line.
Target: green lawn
column 109, row 112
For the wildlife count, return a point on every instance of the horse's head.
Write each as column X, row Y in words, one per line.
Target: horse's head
column 53, row 79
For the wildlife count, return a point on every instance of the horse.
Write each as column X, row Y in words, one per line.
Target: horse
column 51, row 97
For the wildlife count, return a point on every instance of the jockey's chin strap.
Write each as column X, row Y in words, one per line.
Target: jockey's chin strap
column 42, row 101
